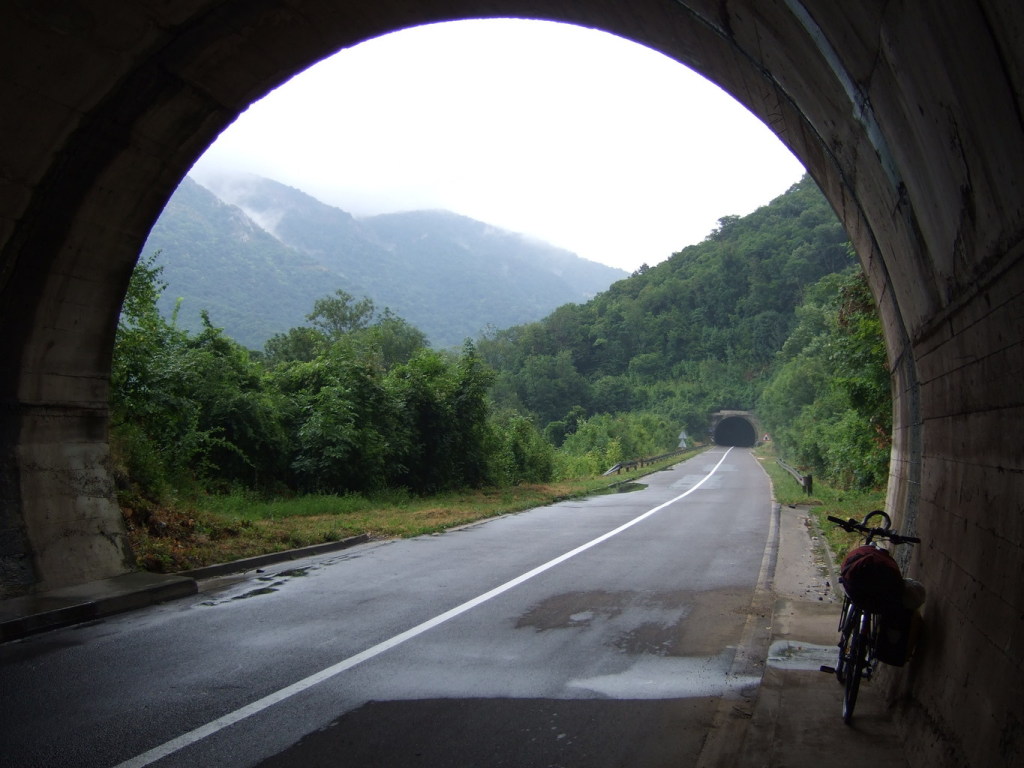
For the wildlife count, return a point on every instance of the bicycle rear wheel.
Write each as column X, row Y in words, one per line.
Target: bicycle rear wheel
column 854, row 670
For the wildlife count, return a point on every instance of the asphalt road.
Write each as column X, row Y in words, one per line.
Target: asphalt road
column 610, row 631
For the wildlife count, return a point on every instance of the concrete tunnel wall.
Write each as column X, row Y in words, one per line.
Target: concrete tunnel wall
column 909, row 115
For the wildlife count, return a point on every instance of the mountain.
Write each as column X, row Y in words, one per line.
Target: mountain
column 216, row 258
column 256, row 254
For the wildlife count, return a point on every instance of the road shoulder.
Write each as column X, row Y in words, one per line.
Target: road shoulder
column 796, row 720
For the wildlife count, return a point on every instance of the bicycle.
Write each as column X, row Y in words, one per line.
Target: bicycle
column 861, row 618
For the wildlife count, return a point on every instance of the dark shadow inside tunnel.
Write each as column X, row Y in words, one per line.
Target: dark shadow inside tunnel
column 735, row 430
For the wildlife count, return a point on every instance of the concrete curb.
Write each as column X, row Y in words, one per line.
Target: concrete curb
column 272, row 558
column 31, row 614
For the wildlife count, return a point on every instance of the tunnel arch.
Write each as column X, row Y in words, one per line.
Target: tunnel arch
column 735, row 428
column 908, row 115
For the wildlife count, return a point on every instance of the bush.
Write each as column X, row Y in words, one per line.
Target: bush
column 522, row 455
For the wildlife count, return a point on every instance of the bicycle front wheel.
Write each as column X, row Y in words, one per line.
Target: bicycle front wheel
column 856, row 661
column 847, row 628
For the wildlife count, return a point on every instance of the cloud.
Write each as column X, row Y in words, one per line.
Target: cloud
column 574, row 136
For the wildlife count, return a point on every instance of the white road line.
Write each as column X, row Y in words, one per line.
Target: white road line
column 186, row 739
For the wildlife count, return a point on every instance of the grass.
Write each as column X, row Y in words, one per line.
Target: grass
column 824, row 501
column 183, row 534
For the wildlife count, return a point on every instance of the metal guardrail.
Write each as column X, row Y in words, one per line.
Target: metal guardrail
column 637, row 463
column 806, row 481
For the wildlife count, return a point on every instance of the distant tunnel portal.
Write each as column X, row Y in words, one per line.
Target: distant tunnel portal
column 735, row 430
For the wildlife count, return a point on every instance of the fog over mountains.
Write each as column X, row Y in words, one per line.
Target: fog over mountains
column 256, row 254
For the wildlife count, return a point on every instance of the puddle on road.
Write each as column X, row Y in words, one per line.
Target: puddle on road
column 620, row 488
column 793, row 654
column 673, row 623
column 273, row 582
column 670, row 678
column 260, row 591
column 291, row 572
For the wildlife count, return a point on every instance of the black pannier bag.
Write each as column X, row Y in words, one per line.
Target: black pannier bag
column 893, row 641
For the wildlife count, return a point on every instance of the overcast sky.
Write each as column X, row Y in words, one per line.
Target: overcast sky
column 576, row 137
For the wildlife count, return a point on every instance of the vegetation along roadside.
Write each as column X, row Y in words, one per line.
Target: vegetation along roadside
column 825, row 500
column 352, row 423
column 212, row 529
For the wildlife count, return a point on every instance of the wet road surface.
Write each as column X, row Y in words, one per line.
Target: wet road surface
column 597, row 632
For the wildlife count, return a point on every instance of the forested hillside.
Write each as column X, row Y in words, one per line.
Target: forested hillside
column 692, row 335
column 770, row 312
column 828, row 401
column 256, row 255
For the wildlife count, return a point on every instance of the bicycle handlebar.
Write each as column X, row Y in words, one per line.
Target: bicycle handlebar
column 885, row 532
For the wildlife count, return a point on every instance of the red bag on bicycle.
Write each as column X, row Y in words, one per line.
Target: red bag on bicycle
column 872, row 579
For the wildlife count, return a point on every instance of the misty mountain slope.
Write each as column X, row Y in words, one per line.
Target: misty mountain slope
column 216, row 258
column 464, row 237
column 327, row 234
column 448, row 275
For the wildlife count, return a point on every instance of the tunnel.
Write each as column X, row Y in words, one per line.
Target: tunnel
column 735, row 430
column 909, row 116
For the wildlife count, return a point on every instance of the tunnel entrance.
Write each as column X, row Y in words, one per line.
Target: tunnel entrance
column 735, row 430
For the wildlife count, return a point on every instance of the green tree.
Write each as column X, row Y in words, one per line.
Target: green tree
column 344, row 422
column 522, row 455
column 550, row 385
column 300, row 344
column 340, row 313
column 447, row 439
column 187, row 408
column 141, row 412
column 828, row 405
column 237, row 412
column 142, row 336
column 391, row 340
